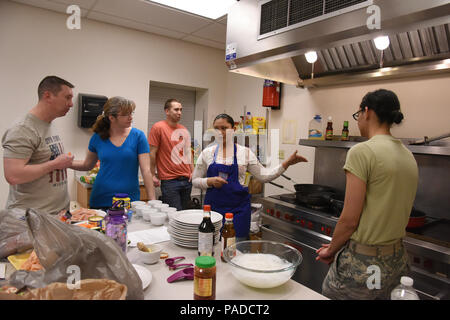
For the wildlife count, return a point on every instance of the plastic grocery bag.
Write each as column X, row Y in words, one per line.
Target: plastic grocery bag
column 90, row 289
column 69, row 251
column 14, row 234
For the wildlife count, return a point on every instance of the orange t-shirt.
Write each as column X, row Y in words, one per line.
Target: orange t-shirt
column 174, row 150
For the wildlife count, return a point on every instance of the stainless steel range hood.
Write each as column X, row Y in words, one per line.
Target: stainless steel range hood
column 419, row 33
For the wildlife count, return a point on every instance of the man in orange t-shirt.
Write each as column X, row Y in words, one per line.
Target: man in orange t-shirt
column 170, row 150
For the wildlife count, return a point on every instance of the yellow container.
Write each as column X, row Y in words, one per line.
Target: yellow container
column 97, row 222
column 258, row 123
column 126, row 201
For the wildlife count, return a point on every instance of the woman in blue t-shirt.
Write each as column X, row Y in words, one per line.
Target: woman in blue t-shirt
column 122, row 150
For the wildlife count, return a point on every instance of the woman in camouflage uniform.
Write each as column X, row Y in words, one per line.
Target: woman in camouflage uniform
column 366, row 253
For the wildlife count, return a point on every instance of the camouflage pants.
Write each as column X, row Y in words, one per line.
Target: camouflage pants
column 351, row 274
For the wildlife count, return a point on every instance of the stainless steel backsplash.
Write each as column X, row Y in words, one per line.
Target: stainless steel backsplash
column 433, row 194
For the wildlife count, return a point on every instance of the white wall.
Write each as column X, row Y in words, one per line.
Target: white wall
column 98, row 59
column 424, row 102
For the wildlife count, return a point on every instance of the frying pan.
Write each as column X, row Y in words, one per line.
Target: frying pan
column 280, row 186
column 311, row 194
column 416, row 219
column 315, row 199
column 337, row 203
column 309, row 187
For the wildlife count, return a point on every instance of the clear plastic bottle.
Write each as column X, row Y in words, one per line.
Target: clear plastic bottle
column 248, row 122
column 316, row 128
column 405, row 290
column 116, row 226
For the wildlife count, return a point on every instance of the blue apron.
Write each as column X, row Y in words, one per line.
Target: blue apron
column 231, row 197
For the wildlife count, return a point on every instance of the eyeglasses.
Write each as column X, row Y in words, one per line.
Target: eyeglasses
column 357, row 114
column 126, row 115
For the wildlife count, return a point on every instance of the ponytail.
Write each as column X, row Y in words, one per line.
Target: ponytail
column 102, row 126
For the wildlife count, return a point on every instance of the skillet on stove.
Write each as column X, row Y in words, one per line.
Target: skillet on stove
column 416, row 219
column 313, row 195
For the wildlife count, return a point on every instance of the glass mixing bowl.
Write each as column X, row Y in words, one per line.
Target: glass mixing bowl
column 261, row 263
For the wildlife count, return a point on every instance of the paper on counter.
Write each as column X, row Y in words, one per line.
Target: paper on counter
column 149, row 236
column 2, row 271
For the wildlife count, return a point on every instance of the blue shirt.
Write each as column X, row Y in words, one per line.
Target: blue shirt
column 119, row 167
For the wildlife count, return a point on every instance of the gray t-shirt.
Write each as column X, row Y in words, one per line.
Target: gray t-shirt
column 34, row 139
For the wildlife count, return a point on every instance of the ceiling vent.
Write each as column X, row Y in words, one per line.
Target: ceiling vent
column 269, row 40
column 283, row 15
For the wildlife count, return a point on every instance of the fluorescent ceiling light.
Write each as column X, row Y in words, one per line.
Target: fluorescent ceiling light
column 212, row 9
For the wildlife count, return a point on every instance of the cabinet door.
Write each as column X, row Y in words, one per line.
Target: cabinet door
column 143, row 191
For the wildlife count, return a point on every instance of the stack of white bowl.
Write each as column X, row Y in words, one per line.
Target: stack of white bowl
column 137, row 207
column 171, row 212
column 148, row 212
column 156, row 216
column 153, row 202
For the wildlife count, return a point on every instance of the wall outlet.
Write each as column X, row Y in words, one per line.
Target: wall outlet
column 281, row 154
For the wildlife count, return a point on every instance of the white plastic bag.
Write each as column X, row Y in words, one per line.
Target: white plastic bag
column 64, row 249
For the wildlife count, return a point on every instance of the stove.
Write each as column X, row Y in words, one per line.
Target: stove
column 434, row 230
column 428, row 248
column 285, row 207
column 305, row 228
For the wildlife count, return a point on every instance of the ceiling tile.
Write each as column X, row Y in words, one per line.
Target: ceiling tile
column 205, row 42
column 86, row 4
column 50, row 5
column 134, row 25
column 152, row 14
column 147, row 17
column 214, row 31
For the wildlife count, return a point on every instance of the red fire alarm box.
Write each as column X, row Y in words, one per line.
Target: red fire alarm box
column 271, row 94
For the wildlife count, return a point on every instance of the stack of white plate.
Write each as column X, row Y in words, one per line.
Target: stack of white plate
column 183, row 228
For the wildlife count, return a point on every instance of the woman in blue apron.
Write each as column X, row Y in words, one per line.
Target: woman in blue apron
column 224, row 179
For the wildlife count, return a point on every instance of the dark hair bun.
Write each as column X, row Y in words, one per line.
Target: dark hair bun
column 397, row 116
column 386, row 105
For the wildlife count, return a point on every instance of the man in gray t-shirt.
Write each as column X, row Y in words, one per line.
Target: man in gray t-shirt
column 34, row 161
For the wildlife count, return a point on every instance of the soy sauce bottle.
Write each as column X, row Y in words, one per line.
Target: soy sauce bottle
column 206, row 234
